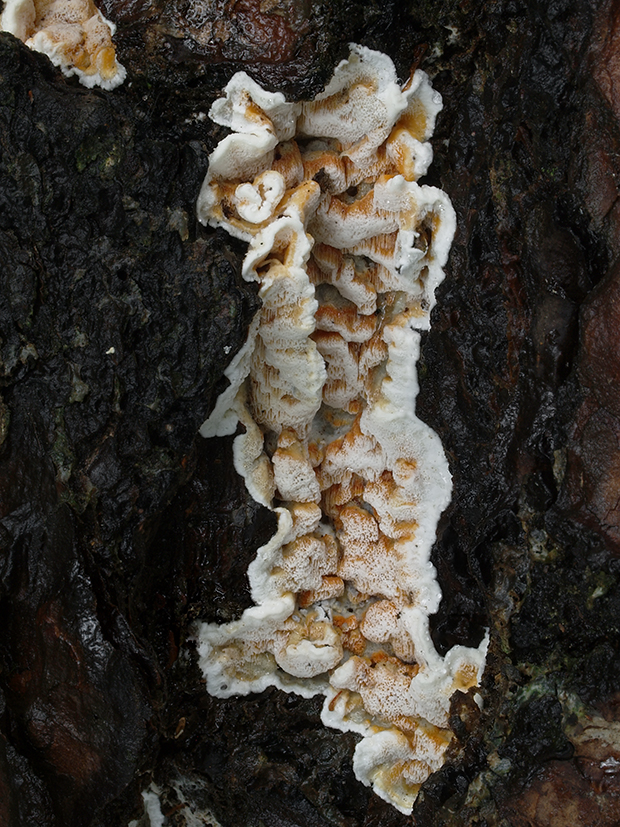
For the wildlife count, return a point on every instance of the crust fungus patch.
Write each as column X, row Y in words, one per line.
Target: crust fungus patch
column 347, row 249
column 72, row 33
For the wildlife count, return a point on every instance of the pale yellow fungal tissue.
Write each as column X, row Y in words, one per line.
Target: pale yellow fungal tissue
column 347, row 249
column 72, row 33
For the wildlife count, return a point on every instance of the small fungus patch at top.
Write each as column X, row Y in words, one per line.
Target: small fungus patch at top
column 72, row 33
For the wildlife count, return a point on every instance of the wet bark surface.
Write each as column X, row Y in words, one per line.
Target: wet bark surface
column 119, row 526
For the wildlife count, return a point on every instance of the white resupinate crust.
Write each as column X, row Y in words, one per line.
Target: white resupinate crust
column 347, row 249
column 72, row 33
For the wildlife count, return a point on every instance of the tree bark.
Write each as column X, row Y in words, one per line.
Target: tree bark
column 120, row 526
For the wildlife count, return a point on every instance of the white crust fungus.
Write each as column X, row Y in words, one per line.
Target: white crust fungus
column 347, row 249
column 72, row 33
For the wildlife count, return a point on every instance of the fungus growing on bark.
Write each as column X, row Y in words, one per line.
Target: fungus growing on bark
column 72, row 33
column 347, row 249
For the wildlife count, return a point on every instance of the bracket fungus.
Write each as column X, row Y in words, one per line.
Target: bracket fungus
column 347, row 249
column 72, row 33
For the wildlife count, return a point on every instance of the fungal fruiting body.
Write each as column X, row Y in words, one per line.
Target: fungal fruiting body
column 347, row 249
column 72, row 33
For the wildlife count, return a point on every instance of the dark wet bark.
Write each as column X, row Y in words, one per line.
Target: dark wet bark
column 119, row 526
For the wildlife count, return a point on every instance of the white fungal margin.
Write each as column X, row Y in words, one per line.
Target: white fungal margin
column 348, row 250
